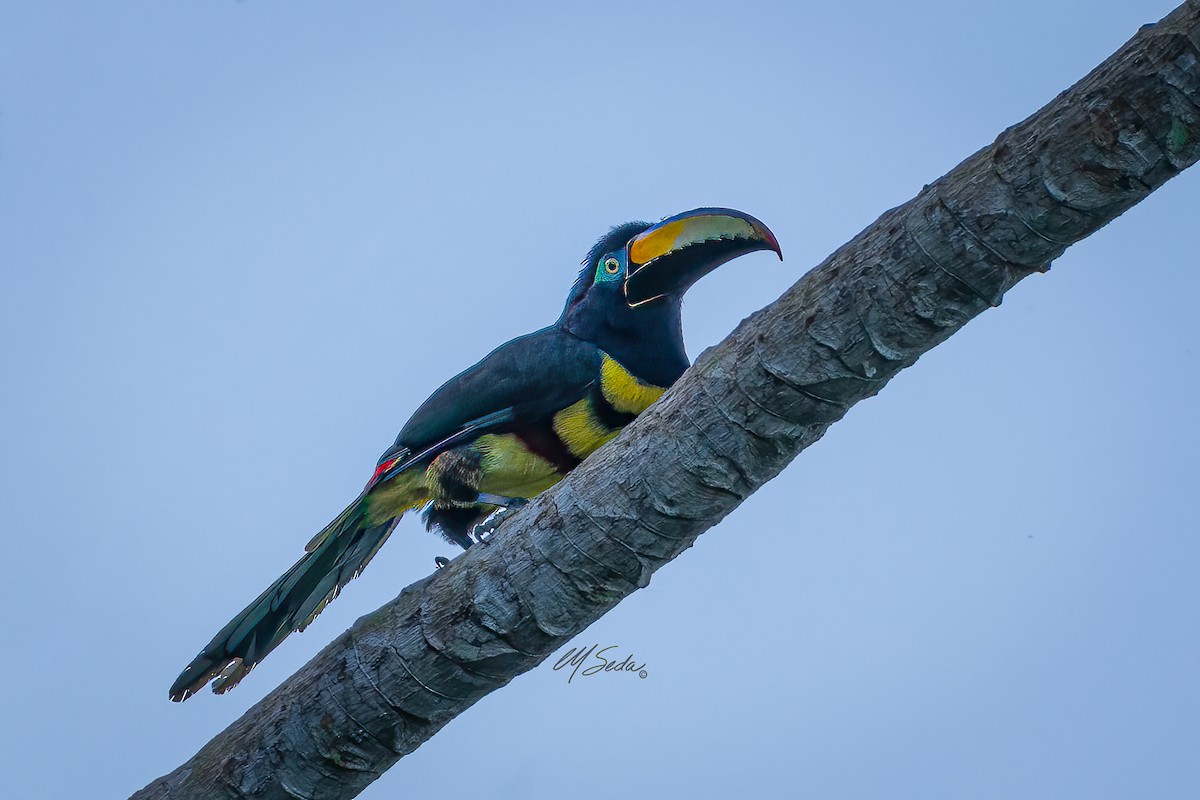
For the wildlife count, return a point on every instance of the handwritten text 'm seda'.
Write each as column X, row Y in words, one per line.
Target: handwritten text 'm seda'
column 600, row 661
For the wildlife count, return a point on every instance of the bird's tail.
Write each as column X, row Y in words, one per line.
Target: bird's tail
column 333, row 558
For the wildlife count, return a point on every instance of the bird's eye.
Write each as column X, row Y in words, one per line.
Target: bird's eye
column 611, row 265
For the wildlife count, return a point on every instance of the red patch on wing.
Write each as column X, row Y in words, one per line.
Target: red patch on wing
column 383, row 467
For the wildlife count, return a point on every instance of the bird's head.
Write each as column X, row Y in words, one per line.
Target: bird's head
column 642, row 269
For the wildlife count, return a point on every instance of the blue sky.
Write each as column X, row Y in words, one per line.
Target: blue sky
column 240, row 243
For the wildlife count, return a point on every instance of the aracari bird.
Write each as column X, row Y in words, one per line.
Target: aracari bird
column 509, row 427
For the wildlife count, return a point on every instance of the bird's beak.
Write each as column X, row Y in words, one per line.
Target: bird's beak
column 672, row 255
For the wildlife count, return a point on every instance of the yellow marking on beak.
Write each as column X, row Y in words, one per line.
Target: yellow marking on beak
column 659, row 241
column 655, row 242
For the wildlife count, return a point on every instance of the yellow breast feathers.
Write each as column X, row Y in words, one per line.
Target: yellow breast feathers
column 578, row 427
column 624, row 392
column 511, row 470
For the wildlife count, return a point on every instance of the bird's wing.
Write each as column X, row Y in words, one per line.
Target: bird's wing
column 523, row 381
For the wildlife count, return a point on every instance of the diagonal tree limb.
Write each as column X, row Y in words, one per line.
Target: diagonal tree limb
column 733, row 422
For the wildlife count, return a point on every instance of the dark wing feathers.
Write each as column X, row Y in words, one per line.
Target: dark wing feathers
column 525, row 380
column 397, row 458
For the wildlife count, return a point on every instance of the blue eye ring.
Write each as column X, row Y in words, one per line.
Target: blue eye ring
column 612, row 266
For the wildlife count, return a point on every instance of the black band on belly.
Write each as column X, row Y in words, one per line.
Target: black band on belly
column 608, row 416
column 541, row 440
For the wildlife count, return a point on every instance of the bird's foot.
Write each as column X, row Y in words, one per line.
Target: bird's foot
column 482, row 533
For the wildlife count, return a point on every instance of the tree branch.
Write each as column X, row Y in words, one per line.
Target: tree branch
column 733, row 422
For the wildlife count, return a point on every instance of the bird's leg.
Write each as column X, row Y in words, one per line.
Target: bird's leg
column 453, row 479
column 482, row 532
column 454, row 523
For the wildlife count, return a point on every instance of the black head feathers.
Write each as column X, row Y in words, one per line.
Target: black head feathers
column 615, row 239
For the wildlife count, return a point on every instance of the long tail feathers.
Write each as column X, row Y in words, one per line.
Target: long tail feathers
column 332, row 559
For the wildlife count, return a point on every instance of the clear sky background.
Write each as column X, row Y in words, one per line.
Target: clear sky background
column 240, row 242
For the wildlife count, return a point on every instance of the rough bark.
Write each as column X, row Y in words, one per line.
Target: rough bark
column 745, row 410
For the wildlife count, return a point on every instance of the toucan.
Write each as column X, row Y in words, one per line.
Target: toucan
column 509, row 427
